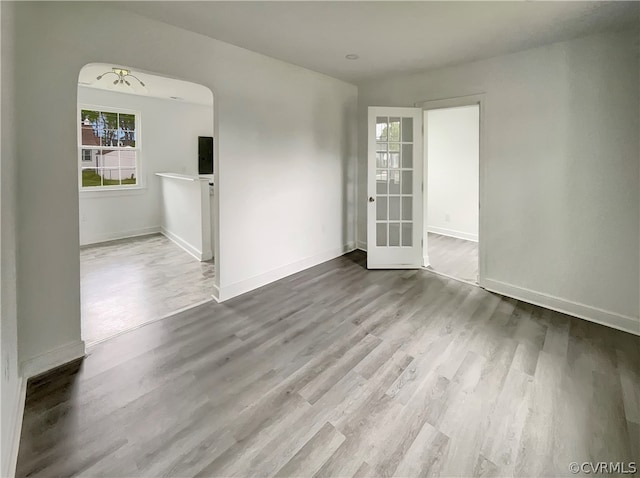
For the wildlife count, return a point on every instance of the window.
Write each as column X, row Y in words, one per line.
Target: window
column 109, row 149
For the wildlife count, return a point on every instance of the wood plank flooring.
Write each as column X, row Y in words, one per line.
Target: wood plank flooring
column 129, row 282
column 340, row 371
column 453, row 257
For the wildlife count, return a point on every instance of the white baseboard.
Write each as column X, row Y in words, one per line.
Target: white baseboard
column 186, row 246
column 239, row 288
column 576, row 309
column 362, row 246
column 113, row 236
column 216, row 293
column 15, row 427
column 425, row 261
column 52, row 359
column 453, row 233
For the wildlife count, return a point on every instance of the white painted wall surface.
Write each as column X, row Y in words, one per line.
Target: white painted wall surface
column 453, row 148
column 561, row 197
column 10, row 380
column 169, row 142
column 186, row 214
column 285, row 156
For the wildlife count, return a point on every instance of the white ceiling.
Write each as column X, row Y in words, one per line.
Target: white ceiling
column 389, row 36
column 155, row 86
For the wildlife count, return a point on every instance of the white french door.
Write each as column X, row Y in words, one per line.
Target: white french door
column 394, row 202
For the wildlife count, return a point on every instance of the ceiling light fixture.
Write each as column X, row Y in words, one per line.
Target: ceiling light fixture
column 121, row 76
column 352, row 56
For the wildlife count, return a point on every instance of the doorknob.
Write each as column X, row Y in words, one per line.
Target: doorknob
column 371, row 199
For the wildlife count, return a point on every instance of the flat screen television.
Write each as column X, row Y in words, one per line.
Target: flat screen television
column 205, row 155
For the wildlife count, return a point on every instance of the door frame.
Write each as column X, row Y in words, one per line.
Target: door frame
column 453, row 102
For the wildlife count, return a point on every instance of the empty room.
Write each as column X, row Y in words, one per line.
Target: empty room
column 319, row 239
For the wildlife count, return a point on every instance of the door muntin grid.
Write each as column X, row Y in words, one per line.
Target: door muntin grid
column 394, row 181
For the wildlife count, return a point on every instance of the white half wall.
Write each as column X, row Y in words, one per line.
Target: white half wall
column 559, row 210
column 285, row 155
column 186, row 213
column 453, row 148
column 11, row 390
column 169, row 142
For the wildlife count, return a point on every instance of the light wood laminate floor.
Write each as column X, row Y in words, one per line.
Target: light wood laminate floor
column 453, row 257
column 340, row 371
column 129, row 282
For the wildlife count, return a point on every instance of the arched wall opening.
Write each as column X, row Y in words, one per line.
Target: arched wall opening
column 147, row 208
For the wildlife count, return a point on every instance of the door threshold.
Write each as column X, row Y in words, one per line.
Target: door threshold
column 464, row 281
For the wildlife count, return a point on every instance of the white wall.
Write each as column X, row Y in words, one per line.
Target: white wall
column 169, row 142
column 10, row 382
column 186, row 214
column 559, row 208
column 285, row 157
column 453, row 148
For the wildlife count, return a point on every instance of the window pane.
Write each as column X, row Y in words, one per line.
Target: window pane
column 407, row 156
column 381, row 234
column 127, row 138
column 381, row 208
column 394, row 129
column 127, row 122
column 91, row 178
column 394, row 208
column 128, row 176
column 394, row 160
column 407, row 208
column 407, row 182
column 110, row 137
column 110, row 176
column 382, row 160
column 109, row 158
column 407, row 129
column 381, row 182
column 394, row 146
column 407, row 234
column 89, row 128
column 110, row 120
column 381, row 147
column 394, row 233
column 381, row 128
column 128, row 159
column 394, row 182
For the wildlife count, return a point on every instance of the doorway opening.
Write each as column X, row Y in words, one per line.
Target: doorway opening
column 146, row 206
column 451, row 196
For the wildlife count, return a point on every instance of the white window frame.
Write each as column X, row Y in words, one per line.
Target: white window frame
column 140, row 184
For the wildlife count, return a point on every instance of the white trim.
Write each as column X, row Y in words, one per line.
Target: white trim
column 216, row 293
column 425, row 260
column 362, row 246
column 16, row 427
column 183, row 244
column 452, row 233
column 52, row 359
column 576, row 309
column 234, row 290
column 114, row 236
column 151, row 321
column 442, row 274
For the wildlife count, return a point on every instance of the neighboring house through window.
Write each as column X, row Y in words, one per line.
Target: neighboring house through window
column 109, row 149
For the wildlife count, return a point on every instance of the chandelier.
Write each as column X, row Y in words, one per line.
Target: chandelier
column 121, row 76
